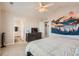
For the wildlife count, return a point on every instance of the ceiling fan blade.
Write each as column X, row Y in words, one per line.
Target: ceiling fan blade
column 48, row 5
column 40, row 4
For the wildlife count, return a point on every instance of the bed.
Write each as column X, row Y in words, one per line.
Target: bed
column 56, row 45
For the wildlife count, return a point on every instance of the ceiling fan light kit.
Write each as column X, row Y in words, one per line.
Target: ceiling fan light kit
column 43, row 7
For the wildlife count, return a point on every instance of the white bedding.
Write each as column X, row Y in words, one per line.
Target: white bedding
column 53, row 46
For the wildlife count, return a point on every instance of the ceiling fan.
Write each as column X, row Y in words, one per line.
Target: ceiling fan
column 43, row 7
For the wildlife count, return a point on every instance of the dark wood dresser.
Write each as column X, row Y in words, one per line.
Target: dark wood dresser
column 33, row 36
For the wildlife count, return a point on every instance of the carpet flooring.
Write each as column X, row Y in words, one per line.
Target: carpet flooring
column 14, row 50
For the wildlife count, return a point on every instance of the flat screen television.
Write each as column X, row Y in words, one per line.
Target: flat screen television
column 34, row 30
column 16, row 29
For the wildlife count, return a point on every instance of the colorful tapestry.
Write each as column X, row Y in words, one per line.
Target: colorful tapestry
column 68, row 26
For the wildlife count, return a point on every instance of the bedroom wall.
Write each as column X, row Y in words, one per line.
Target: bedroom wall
column 0, row 30
column 0, row 20
column 7, row 26
column 63, row 12
column 8, row 20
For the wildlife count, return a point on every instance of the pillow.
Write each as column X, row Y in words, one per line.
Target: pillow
column 76, row 52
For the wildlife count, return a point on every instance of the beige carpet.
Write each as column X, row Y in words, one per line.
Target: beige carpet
column 14, row 50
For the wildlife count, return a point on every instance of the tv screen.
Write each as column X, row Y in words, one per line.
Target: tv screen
column 34, row 30
column 16, row 29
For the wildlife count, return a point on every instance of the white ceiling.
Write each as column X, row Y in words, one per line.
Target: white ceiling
column 28, row 8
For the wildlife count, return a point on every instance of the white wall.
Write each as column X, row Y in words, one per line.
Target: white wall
column 42, row 28
column 0, row 29
column 64, row 12
column 7, row 27
column 0, row 20
column 8, row 20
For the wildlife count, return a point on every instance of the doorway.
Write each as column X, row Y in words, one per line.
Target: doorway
column 18, row 30
column 46, row 29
